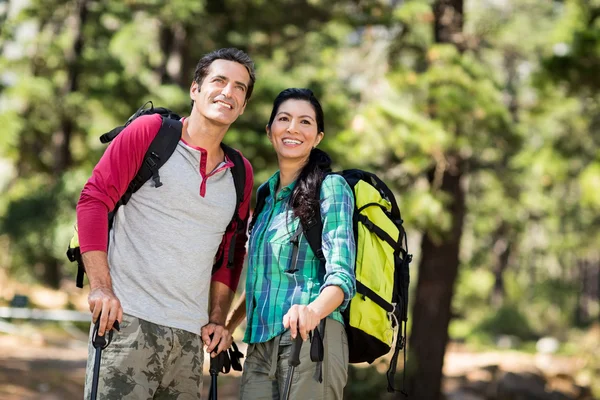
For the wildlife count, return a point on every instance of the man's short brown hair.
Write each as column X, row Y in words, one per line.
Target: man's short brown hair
column 229, row 54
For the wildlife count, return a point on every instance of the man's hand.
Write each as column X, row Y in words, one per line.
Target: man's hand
column 220, row 341
column 301, row 319
column 103, row 300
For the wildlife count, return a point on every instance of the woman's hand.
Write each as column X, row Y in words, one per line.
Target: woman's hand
column 301, row 319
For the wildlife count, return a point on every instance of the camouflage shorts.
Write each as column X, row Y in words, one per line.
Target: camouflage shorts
column 148, row 361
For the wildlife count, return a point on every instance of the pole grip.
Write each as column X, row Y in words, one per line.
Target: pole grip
column 294, row 359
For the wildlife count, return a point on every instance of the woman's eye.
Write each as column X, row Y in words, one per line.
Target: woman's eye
column 283, row 118
column 305, row 121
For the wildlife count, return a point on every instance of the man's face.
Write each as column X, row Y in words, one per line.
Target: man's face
column 222, row 96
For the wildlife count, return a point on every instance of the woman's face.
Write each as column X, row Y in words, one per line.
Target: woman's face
column 294, row 130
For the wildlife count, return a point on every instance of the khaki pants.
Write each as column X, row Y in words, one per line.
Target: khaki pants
column 148, row 361
column 266, row 368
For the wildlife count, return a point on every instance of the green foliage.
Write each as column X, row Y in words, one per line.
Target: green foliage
column 518, row 103
column 473, row 289
column 508, row 320
column 38, row 219
column 576, row 57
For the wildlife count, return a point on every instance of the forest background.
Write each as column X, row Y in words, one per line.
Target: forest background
column 483, row 116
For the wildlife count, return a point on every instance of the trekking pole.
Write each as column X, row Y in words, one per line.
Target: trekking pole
column 293, row 362
column 223, row 362
column 99, row 343
column 216, row 365
column 214, row 372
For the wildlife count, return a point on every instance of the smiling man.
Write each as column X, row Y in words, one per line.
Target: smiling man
column 156, row 277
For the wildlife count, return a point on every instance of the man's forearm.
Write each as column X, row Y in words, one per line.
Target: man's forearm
column 96, row 268
column 221, row 297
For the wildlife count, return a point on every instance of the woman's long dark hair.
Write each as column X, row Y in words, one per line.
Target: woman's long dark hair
column 305, row 196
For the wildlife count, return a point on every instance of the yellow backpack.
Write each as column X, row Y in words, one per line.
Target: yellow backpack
column 379, row 310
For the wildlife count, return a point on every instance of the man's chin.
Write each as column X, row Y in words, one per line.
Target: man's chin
column 223, row 120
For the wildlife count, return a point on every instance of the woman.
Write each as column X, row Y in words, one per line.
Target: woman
column 285, row 299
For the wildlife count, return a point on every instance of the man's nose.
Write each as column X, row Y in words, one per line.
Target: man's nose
column 228, row 90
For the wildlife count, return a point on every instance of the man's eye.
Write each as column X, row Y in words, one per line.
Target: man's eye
column 243, row 89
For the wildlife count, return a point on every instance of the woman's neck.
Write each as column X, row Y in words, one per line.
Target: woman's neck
column 289, row 171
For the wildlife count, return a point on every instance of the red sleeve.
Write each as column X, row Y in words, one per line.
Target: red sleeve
column 231, row 276
column 109, row 181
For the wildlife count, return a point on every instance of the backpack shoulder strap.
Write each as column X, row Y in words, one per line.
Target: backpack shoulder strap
column 313, row 231
column 239, row 173
column 160, row 150
column 239, row 181
column 261, row 198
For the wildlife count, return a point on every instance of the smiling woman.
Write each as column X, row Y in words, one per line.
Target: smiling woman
column 294, row 132
column 288, row 291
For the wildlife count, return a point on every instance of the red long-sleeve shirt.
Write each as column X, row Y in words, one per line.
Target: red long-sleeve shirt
column 110, row 179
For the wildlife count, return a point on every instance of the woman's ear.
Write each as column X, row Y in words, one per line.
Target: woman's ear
column 319, row 138
column 268, row 133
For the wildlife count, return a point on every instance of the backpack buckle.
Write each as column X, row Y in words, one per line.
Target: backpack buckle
column 393, row 320
column 154, row 169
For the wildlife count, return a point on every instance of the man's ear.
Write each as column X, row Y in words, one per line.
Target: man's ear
column 195, row 88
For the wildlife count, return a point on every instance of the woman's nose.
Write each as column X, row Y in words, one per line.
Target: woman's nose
column 292, row 127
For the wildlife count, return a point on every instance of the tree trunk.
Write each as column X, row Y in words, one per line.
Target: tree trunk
column 438, row 268
column 52, row 273
column 449, row 20
column 588, row 291
column 432, row 307
column 502, row 250
column 592, row 284
column 173, row 44
column 166, row 38
column 3, row 18
column 61, row 140
column 582, row 311
column 598, row 284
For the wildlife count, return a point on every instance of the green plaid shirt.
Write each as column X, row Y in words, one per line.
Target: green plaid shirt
column 270, row 289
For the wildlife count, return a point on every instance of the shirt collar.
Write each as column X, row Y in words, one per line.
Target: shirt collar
column 273, row 183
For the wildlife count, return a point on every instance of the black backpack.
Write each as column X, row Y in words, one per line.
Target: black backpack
column 159, row 151
column 376, row 308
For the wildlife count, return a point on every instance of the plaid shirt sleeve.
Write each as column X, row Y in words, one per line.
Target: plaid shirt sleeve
column 339, row 247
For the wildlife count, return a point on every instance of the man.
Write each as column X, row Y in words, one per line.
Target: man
column 155, row 276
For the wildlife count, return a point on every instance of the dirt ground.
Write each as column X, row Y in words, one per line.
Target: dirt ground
column 31, row 368
column 44, row 368
column 42, row 363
